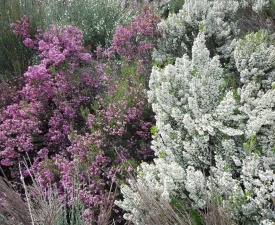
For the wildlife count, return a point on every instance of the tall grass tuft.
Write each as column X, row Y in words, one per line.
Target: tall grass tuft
column 13, row 210
column 45, row 206
column 38, row 205
column 216, row 216
column 154, row 209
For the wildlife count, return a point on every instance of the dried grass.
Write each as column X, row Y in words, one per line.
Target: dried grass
column 45, row 204
column 46, row 207
column 13, row 210
column 216, row 216
column 155, row 210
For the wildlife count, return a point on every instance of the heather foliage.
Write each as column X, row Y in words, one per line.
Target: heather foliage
column 46, row 114
column 214, row 134
column 221, row 21
column 170, row 6
column 47, row 90
column 137, row 39
column 123, row 112
column 179, row 30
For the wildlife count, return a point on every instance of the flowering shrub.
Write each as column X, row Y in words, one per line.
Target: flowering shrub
column 214, row 134
column 214, row 131
column 125, row 117
column 133, row 43
column 220, row 22
column 170, row 6
column 123, row 112
column 137, row 39
column 46, row 99
column 42, row 118
column 75, row 119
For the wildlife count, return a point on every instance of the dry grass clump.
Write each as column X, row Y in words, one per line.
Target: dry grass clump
column 155, row 210
column 216, row 216
column 39, row 207
column 13, row 210
column 46, row 207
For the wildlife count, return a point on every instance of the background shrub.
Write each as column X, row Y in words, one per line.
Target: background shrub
column 96, row 19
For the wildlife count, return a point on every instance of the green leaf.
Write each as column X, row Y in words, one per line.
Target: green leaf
column 153, row 130
column 195, row 216
column 162, row 155
column 236, row 96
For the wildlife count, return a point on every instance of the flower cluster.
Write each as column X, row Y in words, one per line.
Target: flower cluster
column 260, row 5
column 56, row 45
column 21, row 27
column 124, row 116
column 59, row 45
column 137, row 39
column 47, row 109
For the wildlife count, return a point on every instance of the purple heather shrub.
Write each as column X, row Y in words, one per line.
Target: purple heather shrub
column 87, row 172
column 134, row 42
column 44, row 109
column 21, row 27
column 60, row 44
column 8, row 90
column 124, row 115
column 137, row 39
column 38, row 84
column 79, row 121
column 18, row 123
column 55, row 46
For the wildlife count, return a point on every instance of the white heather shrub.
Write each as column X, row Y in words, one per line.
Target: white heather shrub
column 184, row 113
column 214, row 141
column 260, row 5
column 216, row 19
